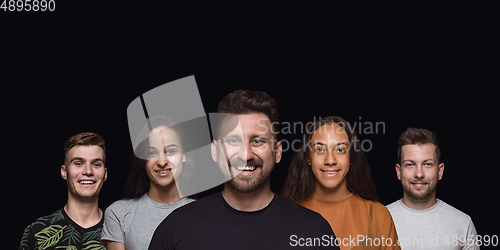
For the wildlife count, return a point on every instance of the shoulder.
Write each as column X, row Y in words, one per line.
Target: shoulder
column 182, row 204
column 185, row 201
column 299, row 219
column 208, row 200
column 43, row 222
column 379, row 208
column 192, row 212
column 396, row 208
column 28, row 238
column 382, row 217
column 394, row 205
column 453, row 212
column 191, row 207
column 290, row 208
column 119, row 210
column 122, row 205
column 379, row 211
column 48, row 219
column 282, row 201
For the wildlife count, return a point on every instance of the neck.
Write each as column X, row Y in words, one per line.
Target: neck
column 84, row 212
column 248, row 202
column 331, row 194
column 419, row 204
column 163, row 194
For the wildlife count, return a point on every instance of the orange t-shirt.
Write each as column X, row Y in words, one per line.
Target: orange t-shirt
column 357, row 222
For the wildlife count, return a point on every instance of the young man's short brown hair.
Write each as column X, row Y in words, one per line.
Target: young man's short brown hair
column 84, row 139
column 418, row 136
column 242, row 102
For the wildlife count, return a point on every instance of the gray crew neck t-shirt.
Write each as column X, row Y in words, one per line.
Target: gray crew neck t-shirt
column 438, row 227
column 134, row 221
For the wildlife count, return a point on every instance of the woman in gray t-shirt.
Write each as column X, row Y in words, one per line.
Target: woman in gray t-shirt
column 150, row 193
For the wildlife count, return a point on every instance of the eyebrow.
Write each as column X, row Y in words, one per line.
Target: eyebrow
column 336, row 145
column 258, row 136
column 81, row 159
column 428, row 159
column 166, row 146
column 232, row 135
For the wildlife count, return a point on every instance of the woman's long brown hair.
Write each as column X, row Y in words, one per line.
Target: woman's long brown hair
column 300, row 181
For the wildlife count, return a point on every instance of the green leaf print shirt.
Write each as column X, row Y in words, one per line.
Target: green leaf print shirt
column 58, row 231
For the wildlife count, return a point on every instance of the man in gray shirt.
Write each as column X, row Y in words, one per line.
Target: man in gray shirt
column 423, row 221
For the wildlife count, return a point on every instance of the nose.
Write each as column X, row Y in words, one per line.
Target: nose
column 162, row 161
column 87, row 169
column 419, row 173
column 245, row 153
column 330, row 159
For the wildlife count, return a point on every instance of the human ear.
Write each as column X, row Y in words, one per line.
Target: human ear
column 398, row 171
column 64, row 173
column 279, row 151
column 213, row 148
column 441, row 171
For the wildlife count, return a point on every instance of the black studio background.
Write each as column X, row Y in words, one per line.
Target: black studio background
column 77, row 70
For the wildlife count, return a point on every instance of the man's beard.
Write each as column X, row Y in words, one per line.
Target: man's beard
column 419, row 196
column 245, row 184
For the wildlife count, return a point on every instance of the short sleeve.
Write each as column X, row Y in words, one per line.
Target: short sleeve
column 112, row 229
column 28, row 240
column 387, row 228
column 471, row 234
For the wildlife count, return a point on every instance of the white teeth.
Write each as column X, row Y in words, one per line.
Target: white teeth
column 164, row 171
column 86, row 182
column 247, row 168
column 331, row 172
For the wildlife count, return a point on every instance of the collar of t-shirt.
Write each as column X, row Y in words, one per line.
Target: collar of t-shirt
column 78, row 227
column 247, row 213
column 421, row 212
column 174, row 205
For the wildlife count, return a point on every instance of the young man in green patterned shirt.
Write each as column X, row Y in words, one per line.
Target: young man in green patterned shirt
column 78, row 224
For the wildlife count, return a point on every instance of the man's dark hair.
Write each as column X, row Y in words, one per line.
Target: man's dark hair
column 418, row 136
column 242, row 102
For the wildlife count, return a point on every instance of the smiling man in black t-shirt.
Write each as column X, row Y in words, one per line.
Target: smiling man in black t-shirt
column 246, row 214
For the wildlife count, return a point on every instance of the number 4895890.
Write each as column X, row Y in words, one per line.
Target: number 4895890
column 28, row 5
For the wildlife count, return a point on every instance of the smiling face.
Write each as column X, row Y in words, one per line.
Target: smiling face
column 249, row 152
column 419, row 172
column 329, row 158
column 84, row 171
column 165, row 157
